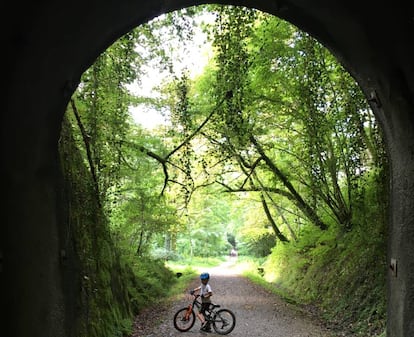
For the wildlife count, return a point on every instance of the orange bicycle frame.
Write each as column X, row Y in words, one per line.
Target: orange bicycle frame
column 189, row 310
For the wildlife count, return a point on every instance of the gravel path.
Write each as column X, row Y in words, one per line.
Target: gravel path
column 259, row 313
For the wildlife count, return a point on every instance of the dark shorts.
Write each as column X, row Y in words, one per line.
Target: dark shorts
column 204, row 307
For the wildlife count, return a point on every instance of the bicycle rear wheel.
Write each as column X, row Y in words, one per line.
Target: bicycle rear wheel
column 224, row 321
column 182, row 321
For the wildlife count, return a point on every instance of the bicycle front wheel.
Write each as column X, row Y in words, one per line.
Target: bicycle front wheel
column 184, row 321
column 224, row 321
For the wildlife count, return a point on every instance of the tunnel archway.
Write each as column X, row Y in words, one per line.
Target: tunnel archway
column 49, row 47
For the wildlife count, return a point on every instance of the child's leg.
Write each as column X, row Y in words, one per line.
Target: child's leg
column 200, row 317
column 200, row 314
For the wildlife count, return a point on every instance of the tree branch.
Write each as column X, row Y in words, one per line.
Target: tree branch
column 272, row 222
column 196, row 131
column 86, row 138
column 300, row 202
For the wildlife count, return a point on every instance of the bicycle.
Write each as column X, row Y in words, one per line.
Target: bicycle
column 222, row 320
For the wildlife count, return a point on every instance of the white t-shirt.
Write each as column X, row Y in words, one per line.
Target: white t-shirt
column 205, row 288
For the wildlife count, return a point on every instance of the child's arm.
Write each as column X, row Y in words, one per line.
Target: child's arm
column 195, row 289
column 209, row 294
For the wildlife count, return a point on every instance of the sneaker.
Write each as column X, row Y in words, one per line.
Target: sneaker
column 206, row 327
column 203, row 326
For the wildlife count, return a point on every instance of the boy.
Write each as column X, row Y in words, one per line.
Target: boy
column 205, row 293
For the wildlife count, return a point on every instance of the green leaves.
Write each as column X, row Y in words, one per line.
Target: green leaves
column 273, row 116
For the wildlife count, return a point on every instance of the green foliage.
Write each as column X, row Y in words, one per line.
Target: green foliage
column 196, row 263
column 189, row 270
column 273, row 119
column 152, row 281
column 253, row 234
column 188, row 274
column 253, row 269
column 105, row 307
column 112, row 287
column 208, row 224
column 164, row 254
column 342, row 272
column 256, row 242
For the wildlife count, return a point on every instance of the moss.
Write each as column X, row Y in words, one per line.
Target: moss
column 343, row 275
column 111, row 288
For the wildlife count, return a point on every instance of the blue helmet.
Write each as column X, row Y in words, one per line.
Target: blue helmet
column 204, row 276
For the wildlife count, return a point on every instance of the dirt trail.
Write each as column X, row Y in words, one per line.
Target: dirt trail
column 259, row 313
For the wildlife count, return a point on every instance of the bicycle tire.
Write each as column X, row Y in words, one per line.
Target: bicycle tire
column 181, row 323
column 224, row 321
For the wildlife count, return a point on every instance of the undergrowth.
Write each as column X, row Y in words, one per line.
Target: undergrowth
column 342, row 274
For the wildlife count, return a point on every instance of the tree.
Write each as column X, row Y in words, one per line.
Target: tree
column 291, row 123
column 274, row 115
